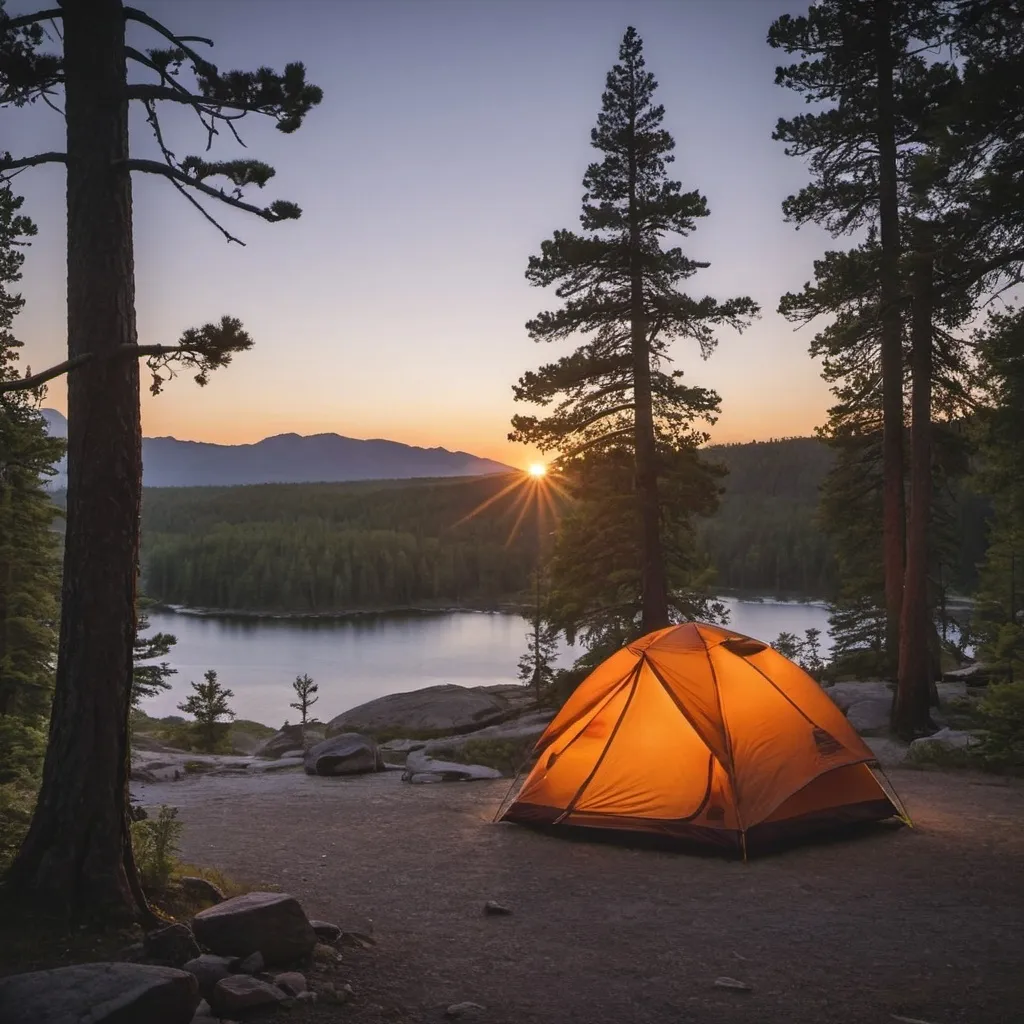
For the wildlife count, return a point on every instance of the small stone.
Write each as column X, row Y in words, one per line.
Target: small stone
column 307, row 997
column 732, row 983
column 252, row 964
column 328, row 993
column 325, row 931
column 203, row 1015
column 291, row 982
column 239, row 993
column 325, row 954
column 171, row 945
column 201, row 889
column 209, row 969
column 462, row 1009
column 494, row 908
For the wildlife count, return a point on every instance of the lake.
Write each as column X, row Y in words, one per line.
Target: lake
column 356, row 660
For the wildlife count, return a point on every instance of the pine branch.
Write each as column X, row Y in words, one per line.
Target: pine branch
column 9, row 164
column 24, row 20
column 133, row 14
column 268, row 213
column 36, row 379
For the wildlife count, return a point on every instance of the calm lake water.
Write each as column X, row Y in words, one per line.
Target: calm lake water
column 356, row 660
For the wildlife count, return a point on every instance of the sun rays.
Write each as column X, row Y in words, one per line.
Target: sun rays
column 533, row 488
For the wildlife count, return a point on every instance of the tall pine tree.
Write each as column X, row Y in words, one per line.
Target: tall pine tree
column 77, row 857
column 620, row 285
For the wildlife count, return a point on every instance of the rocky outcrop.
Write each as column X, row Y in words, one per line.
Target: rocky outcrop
column 103, row 993
column 349, row 753
column 271, row 923
column 432, row 711
column 289, row 740
column 420, row 768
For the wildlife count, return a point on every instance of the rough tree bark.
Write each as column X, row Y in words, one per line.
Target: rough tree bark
column 654, row 586
column 77, row 858
column 910, row 710
column 893, row 505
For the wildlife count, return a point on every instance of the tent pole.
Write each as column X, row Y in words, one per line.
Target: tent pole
column 892, row 794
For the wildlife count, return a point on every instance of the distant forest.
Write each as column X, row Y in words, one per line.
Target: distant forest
column 322, row 548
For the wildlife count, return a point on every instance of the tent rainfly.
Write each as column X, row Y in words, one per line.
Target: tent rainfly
column 702, row 734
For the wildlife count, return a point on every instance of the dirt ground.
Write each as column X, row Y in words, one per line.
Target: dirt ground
column 923, row 924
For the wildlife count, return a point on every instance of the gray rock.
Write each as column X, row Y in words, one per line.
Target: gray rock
column 291, row 739
column 292, row 983
column 521, row 729
column 463, row 1009
column 495, row 909
column 845, row 695
column 349, row 753
column 870, row 717
column 951, row 691
column 204, row 1015
column 241, row 993
column 435, row 710
column 209, row 969
column 419, row 764
column 325, row 931
column 423, row 778
column 252, row 964
column 173, row 945
column 402, row 746
column 103, row 993
column 271, row 922
column 890, row 752
column 976, row 673
column 328, row 993
column 201, row 889
column 945, row 740
column 280, row 765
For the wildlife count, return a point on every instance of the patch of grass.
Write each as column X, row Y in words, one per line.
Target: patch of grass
column 507, row 756
column 175, row 731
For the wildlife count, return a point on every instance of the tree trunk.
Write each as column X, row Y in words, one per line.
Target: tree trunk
column 893, row 512
column 77, row 857
column 910, row 711
column 653, row 584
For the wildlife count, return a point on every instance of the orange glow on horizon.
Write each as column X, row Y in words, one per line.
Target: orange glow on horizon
column 537, row 470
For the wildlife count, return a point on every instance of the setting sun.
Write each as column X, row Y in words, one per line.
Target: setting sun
column 537, row 470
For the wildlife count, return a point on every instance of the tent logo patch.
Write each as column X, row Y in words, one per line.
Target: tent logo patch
column 826, row 743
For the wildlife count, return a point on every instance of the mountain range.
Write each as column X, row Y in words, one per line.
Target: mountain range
column 287, row 458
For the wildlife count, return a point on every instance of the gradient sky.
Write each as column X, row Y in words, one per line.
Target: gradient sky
column 452, row 140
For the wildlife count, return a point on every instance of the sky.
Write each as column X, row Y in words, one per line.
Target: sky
column 451, row 141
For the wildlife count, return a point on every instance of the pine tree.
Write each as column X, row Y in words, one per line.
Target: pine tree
column 620, row 287
column 29, row 552
column 537, row 665
column 149, row 679
column 305, row 690
column 208, row 705
column 857, row 64
column 77, row 856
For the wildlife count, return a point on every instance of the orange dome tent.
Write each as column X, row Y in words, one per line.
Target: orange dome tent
column 700, row 733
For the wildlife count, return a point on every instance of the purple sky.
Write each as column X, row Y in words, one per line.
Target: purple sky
column 452, row 140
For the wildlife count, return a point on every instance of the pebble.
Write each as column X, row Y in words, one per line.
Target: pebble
column 462, row 1009
column 494, row 908
column 738, row 986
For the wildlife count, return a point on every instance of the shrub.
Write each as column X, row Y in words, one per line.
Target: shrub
column 155, row 844
column 1002, row 727
column 16, row 803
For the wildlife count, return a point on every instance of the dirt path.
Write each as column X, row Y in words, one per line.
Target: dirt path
column 925, row 924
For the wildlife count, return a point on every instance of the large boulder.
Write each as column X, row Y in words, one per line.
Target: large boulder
column 272, row 923
column 209, row 969
column 349, row 753
column 104, row 993
column 289, row 739
column 870, row 717
column 432, row 711
column 845, row 695
column 523, row 729
column 420, row 768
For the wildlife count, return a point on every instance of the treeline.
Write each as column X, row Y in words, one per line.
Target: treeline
column 317, row 548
